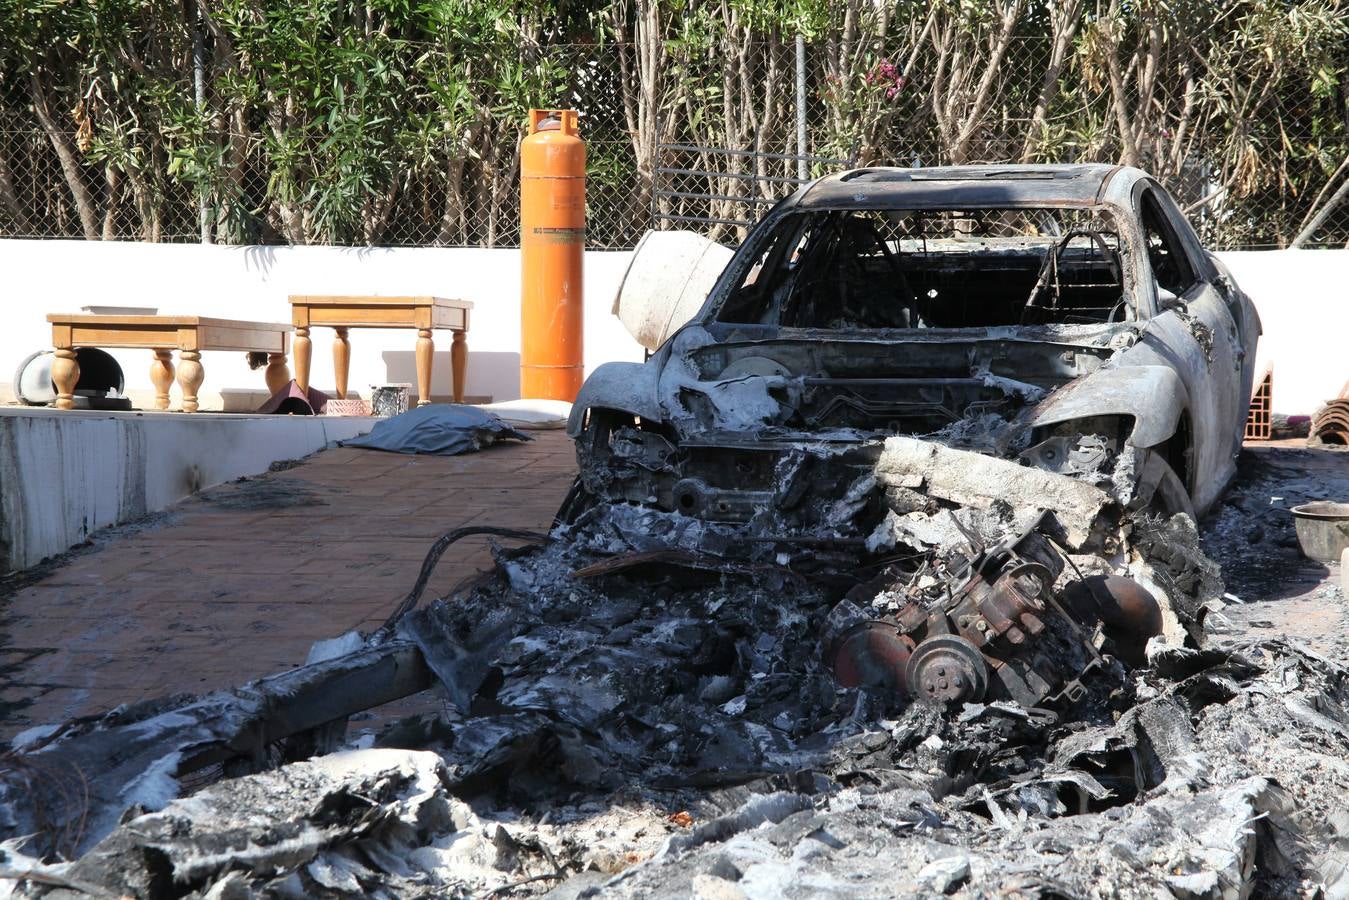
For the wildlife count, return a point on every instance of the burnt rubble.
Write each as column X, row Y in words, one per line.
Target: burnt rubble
column 649, row 703
column 1204, row 773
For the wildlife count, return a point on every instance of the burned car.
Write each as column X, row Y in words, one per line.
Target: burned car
column 970, row 382
column 1063, row 317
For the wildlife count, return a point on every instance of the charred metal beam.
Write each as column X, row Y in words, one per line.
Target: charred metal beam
column 314, row 695
column 94, row 768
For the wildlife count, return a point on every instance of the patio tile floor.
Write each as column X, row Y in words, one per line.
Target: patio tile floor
column 216, row 593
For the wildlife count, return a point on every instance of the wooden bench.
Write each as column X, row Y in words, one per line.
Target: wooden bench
column 189, row 335
column 345, row 312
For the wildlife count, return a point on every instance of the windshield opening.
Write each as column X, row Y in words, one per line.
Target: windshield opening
column 873, row 269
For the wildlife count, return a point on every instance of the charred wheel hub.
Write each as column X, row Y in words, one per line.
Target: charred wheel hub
column 948, row 669
column 873, row 654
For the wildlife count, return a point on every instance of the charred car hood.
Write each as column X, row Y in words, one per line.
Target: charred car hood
column 783, row 387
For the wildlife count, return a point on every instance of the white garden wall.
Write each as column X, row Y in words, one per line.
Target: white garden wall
column 252, row 283
column 1303, row 300
column 66, row 474
column 1302, row 295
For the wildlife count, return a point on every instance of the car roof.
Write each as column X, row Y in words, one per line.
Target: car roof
column 956, row 187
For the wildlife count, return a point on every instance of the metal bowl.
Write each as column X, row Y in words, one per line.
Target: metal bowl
column 1322, row 529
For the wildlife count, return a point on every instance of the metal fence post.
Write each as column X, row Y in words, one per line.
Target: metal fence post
column 199, row 90
column 802, row 169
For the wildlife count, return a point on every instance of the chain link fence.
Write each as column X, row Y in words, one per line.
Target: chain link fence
column 36, row 201
column 722, row 192
column 723, row 149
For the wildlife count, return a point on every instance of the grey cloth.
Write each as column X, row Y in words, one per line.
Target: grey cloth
column 442, row 429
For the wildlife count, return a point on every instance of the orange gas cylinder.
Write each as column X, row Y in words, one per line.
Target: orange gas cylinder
column 552, row 243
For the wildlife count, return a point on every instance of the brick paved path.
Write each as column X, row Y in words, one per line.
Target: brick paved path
column 237, row 583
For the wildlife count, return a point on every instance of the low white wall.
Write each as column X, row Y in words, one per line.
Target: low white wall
column 1303, row 300
column 252, row 283
column 64, row 475
column 1299, row 293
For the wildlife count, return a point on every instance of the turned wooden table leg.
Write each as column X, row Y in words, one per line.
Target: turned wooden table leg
column 161, row 376
column 303, row 349
column 426, row 349
column 278, row 376
column 341, row 361
column 65, row 375
column 190, row 377
column 459, row 364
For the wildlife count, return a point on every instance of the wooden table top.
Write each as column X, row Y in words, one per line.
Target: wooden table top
column 164, row 332
column 364, row 300
column 160, row 321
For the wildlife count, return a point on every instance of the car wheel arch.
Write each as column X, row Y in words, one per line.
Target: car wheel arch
column 624, row 387
column 1154, row 396
column 1178, row 450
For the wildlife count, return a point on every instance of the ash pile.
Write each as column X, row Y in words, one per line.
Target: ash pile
column 912, row 677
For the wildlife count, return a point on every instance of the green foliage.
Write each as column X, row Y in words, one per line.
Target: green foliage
column 337, row 120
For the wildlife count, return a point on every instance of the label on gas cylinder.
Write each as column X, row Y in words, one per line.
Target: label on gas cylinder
column 559, row 235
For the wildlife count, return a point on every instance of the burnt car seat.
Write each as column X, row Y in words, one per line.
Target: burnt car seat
column 1076, row 291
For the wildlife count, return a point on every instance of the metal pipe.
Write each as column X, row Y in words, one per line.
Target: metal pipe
column 1130, row 613
column 802, row 170
column 317, row 694
column 760, row 201
column 742, row 176
column 199, row 90
column 757, row 154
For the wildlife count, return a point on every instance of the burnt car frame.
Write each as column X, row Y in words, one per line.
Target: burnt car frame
column 1063, row 317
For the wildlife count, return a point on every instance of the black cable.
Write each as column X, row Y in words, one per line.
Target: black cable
column 433, row 556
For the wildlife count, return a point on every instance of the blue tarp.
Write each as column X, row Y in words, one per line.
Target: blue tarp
column 443, row 429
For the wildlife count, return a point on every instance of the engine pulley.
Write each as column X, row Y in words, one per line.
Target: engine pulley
column 947, row 668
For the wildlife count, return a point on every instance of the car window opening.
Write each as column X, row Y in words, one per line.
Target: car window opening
column 1170, row 267
column 889, row 269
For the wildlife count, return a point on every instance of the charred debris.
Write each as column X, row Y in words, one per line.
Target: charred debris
column 909, row 614
column 961, row 657
column 931, row 671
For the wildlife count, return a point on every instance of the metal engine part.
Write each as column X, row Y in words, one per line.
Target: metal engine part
column 1128, row 612
column 1069, row 454
column 693, row 497
column 1001, row 632
column 947, row 669
column 1006, row 594
column 873, row 654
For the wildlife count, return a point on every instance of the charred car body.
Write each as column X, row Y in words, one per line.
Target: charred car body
column 923, row 369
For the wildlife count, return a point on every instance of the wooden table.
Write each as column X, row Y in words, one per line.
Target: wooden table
column 343, row 312
column 189, row 335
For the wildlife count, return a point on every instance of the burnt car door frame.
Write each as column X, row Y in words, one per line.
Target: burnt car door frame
column 1198, row 335
column 1244, row 325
